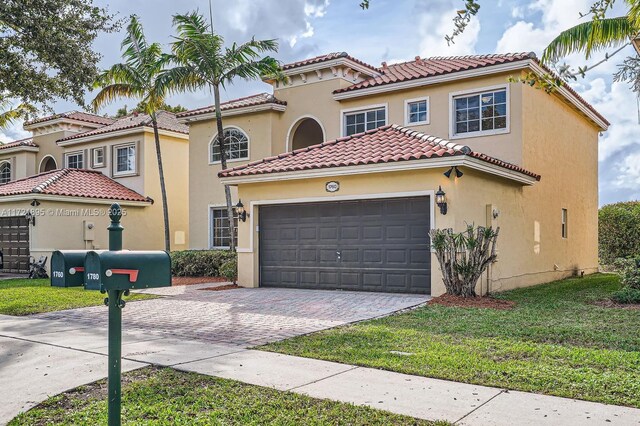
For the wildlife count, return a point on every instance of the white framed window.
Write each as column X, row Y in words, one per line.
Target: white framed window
column 5, row 172
column 564, row 220
column 416, row 111
column 74, row 160
column 219, row 227
column 124, row 159
column 362, row 119
column 480, row 112
column 97, row 157
column 237, row 146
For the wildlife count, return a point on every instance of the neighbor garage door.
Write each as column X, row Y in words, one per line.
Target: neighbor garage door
column 14, row 243
column 369, row 245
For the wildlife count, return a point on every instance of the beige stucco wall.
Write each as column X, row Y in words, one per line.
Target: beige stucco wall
column 22, row 163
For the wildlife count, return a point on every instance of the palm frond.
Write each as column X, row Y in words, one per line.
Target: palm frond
column 115, row 91
column 589, row 37
column 10, row 114
column 252, row 70
column 135, row 42
column 180, row 79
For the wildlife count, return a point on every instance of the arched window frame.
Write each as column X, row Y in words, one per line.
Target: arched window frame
column 230, row 160
column 4, row 165
column 294, row 126
column 44, row 161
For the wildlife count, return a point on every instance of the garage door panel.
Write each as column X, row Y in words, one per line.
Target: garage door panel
column 383, row 245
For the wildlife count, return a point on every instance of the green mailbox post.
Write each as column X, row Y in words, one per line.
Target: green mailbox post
column 114, row 272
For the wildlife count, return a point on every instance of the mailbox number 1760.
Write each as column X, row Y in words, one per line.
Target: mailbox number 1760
column 93, row 276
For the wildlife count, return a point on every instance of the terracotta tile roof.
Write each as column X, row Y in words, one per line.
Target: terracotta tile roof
column 431, row 67
column 248, row 101
column 386, row 144
column 74, row 115
column 28, row 142
column 166, row 121
column 72, row 183
column 328, row 57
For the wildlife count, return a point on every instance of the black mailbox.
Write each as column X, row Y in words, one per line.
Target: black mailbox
column 124, row 270
column 67, row 268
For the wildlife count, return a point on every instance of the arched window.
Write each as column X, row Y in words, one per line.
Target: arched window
column 237, row 144
column 5, row 172
column 47, row 164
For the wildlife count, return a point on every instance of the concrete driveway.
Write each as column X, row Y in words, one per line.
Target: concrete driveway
column 244, row 317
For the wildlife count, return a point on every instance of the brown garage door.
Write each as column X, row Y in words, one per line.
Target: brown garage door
column 14, row 243
column 367, row 245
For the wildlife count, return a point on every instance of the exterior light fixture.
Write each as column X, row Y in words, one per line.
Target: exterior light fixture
column 459, row 173
column 242, row 213
column 35, row 203
column 30, row 218
column 441, row 200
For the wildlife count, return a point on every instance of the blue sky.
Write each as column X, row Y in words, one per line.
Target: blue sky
column 396, row 30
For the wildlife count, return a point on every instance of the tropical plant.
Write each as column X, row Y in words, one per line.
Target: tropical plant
column 138, row 77
column 142, row 106
column 618, row 231
column 464, row 256
column 202, row 62
column 46, row 49
column 10, row 113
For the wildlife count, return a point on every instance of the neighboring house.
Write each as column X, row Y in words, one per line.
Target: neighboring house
column 117, row 159
column 338, row 171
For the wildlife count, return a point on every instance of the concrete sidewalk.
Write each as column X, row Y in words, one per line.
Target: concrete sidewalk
column 42, row 358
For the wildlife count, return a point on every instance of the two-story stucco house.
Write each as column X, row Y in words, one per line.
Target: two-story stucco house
column 339, row 169
column 56, row 187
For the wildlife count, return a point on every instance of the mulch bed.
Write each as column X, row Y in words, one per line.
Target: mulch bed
column 608, row 303
column 486, row 302
column 175, row 281
column 219, row 288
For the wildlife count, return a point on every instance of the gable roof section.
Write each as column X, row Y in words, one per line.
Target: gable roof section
column 166, row 121
column 439, row 66
column 72, row 183
column 246, row 102
column 22, row 143
column 386, row 144
column 73, row 115
column 328, row 57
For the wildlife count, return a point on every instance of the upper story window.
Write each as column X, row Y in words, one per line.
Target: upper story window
column 97, row 157
column 5, row 172
column 416, row 111
column 363, row 120
column 237, row 146
column 75, row 160
column 480, row 113
column 125, row 159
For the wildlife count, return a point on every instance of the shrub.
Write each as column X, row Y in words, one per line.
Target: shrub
column 629, row 270
column 199, row 263
column 229, row 270
column 626, row 295
column 464, row 256
column 618, row 231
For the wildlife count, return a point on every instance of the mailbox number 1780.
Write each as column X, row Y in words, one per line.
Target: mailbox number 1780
column 93, row 276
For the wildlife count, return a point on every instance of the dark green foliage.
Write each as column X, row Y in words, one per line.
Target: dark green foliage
column 142, row 107
column 626, row 295
column 629, row 270
column 229, row 269
column 46, row 49
column 201, row 263
column 618, row 231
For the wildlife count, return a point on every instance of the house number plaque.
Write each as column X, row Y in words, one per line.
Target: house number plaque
column 332, row 186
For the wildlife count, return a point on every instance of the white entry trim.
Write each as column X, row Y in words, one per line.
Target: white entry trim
column 378, row 196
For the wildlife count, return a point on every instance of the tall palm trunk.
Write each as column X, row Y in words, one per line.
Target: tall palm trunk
column 223, row 163
column 163, row 188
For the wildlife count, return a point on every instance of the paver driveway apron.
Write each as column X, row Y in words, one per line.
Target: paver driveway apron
column 246, row 317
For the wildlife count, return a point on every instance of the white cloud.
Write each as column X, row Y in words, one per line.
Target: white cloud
column 433, row 24
column 13, row 132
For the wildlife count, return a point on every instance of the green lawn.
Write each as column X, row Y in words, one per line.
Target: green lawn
column 169, row 397
column 24, row 297
column 555, row 341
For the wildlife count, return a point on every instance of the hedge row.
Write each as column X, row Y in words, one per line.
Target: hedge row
column 204, row 263
column 619, row 231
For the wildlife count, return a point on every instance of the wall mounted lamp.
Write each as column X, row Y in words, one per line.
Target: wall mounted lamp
column 458, row 172
column 441, row 200
column 242, row 213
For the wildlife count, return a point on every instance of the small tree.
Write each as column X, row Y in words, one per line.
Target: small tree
column 464, row 256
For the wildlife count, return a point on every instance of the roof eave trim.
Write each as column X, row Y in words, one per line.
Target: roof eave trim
column 430, row 163
column 336, row 62
column 62, row 120
column 19, row 149
column 73, row 199
column 118, row 133
column 233, row 111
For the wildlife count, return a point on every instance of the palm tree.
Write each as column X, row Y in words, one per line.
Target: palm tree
column 202, row 62
column 138, row 77
column 10, row 113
